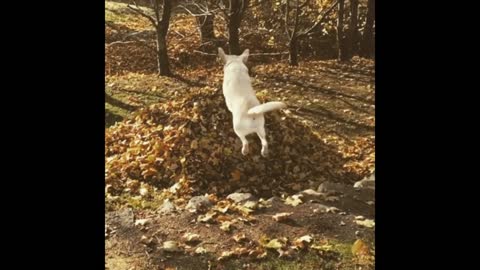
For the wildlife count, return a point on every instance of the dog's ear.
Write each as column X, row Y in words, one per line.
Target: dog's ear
column 222, row 55
column 245, row 55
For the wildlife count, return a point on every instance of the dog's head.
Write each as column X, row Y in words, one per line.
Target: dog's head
column 229, row 59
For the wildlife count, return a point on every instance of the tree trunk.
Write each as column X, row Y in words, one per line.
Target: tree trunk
column 162, row 57
column 162, row 30
column 293, row 51
column 353, row 28
column 205, row 25
column 236, row 10
column 367, row 45
column 342, row 55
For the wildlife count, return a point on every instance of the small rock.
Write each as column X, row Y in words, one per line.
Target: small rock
column 367, row 182
column 167, row 207
column 124, row 218
column 342, row 223
column 198, row 203
column 274, row 200
column 364, row 184
column 320, row 208
column 240, row 197
column 311, row 195
column 331, row 188
column 311, row 192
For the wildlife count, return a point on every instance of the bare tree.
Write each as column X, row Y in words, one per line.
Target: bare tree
column 205, row 25
column 235, row 11
column 161, row 21
column 295, row 34
column 342, row 54
column 353, row 29
column 204, row 15
column 367, row 44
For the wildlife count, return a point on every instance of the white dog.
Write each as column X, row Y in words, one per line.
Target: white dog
column 241, row 101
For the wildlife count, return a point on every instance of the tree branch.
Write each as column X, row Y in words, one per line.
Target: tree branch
column 324, row 16
column 157, row 11
column 145, row 43
column 295, row 26
column 252, row 54
column 287, row 20
column 204, row 12
column 143, row 14
column 304, row 4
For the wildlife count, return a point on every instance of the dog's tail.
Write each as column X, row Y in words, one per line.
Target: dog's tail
column 266, row 107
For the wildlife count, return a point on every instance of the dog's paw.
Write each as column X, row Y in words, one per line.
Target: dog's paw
column 245, row 150
column 264, row 152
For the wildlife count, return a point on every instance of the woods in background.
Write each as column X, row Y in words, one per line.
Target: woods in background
column 338, row 29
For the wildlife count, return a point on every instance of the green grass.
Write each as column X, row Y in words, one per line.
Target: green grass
column 129, row 93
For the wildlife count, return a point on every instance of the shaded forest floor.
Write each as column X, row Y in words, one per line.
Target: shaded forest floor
column 335, row 101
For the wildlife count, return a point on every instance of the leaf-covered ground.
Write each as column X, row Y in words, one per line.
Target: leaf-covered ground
column 171, row 139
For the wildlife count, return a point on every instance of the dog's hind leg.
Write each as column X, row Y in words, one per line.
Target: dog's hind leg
column 244, row 142
column 261, row 134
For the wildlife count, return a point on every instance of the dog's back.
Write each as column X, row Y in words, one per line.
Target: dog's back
column 237, row 87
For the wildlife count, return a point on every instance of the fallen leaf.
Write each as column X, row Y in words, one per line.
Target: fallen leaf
column 285, row 253
column 208, row 217
column 293, row 200
column 239, row 251
column 194, row 144
column 143, row 191
column 200, row 250
column 281, row 216
column 274, row 244
column 324, row 247
column 251, row 205
column 258, row 253
column 360, row 248
column 243, row 210
column 142, row 222
column 300, row 243
column 236, row 174
column 191, row 237
column 369, row 223
column 225, row 226
column 226, row 255
column 239, row 237
column 170, row 246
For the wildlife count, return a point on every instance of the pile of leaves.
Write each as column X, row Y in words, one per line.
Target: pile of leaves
column 189, row 146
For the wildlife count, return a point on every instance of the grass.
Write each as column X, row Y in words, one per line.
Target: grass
column 121, row 14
